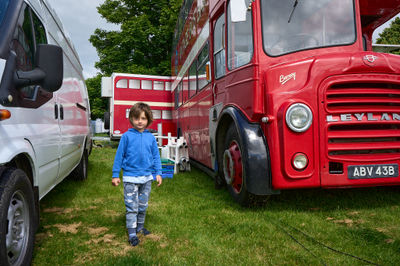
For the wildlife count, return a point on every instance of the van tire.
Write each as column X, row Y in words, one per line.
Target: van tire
column 17, row 223
column 81, row 171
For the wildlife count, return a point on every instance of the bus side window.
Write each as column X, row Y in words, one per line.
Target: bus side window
column 185, row 88
column 147, row 85
column 167, row 86
column 240, row 40
column 178, row 95
column 134, row 84
column 219, row 47
column 158, row 85
column 192, row 79
column 202, row 60
column 122, row 84
column 156, row 114
column 166, row 114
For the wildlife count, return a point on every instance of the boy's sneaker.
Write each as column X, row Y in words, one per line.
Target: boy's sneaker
column 134, row 241
column 143, row 231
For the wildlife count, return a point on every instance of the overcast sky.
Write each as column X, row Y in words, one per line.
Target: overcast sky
column 80, row 19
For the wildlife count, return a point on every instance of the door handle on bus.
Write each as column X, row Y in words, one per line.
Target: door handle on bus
column 214, row 91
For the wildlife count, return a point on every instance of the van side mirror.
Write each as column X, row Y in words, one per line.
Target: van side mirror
column 48, row 71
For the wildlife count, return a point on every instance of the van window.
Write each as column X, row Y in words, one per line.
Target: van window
column 23, row 43
column 29, row 32
column 3, row 9
column 40, row 33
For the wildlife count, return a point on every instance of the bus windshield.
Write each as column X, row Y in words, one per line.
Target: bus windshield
column 3, row 9
column 294, row 25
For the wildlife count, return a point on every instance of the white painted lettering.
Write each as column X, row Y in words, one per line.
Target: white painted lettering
column 396, row 116
column 385, row 116
column 345, row 117
column 329, row 118
column 359, row 116
column 371, row 117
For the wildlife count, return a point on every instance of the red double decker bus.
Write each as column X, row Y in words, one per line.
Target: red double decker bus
column 274, row 95
column 124, row 90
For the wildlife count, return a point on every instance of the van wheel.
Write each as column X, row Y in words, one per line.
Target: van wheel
column 233, row 170
column 16, row 218
column 81, row 171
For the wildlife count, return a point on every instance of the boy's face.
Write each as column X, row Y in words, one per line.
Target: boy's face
column 140, row 123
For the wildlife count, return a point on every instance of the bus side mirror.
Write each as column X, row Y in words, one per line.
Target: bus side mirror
column 48, row 72
column 238, row 10
column 208, row 71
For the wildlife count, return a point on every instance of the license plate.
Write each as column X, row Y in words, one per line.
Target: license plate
column 372, row 171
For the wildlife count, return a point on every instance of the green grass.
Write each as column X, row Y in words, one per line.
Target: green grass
column 194, row 224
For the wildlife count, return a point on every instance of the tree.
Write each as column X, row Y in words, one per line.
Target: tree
column 143, row 43
column 391, row 35
column 98, row 105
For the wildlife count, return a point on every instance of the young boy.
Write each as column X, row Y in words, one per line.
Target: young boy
column 138, row 156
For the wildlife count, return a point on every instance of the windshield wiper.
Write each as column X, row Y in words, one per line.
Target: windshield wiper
column 294, row 7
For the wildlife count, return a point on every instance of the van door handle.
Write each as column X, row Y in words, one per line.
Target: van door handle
column 56, row 111
column 61, row 112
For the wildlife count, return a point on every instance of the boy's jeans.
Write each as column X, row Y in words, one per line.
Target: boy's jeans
column 136, row 198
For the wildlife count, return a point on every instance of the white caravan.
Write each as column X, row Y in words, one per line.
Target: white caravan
column 44, row 119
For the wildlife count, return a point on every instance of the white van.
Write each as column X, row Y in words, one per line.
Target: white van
column 44, row 119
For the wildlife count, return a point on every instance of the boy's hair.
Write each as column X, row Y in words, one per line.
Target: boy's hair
column 137, row 109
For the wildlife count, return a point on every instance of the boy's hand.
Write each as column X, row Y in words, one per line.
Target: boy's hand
column 159, row 180
column 115, row 181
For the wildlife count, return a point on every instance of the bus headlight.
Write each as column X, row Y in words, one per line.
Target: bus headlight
column 299, row 161
column 298, row 117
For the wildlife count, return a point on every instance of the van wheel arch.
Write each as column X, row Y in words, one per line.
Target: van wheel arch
column 80, row 172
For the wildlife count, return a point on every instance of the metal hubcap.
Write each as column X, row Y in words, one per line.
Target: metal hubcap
column 233, row 167
column 18, row 228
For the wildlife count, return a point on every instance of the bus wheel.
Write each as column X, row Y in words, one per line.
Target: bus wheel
column 16, row 218
column 233, row 170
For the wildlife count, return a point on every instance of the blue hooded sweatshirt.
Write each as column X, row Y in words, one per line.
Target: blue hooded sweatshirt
column 137, row 155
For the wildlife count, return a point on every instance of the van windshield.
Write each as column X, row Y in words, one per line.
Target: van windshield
column 294, row 25
column 3, row 9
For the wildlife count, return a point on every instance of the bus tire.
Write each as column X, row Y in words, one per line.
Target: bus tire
column 232, row 167
column 17, row 223
column 80, row 173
